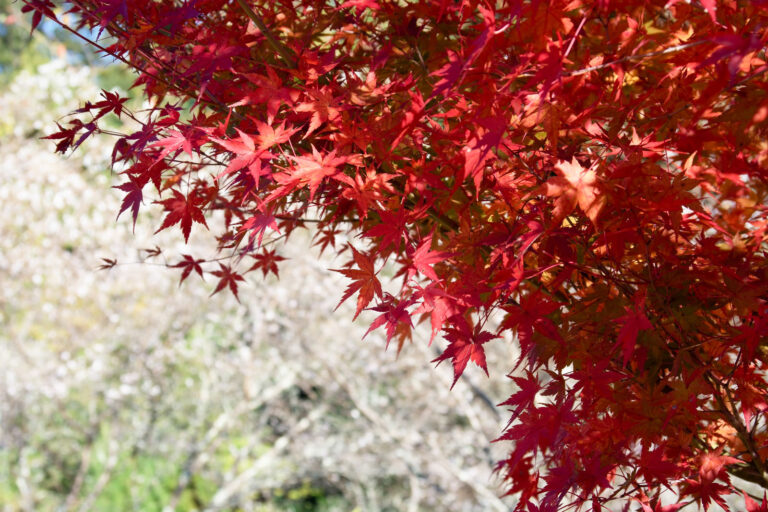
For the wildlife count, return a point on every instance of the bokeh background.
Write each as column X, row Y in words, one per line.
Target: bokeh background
column 122, row 391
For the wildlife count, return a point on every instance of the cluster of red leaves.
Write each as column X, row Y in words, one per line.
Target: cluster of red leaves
column 596, row 172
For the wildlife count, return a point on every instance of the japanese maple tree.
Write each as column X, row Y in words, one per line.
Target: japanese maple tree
column 593, row 173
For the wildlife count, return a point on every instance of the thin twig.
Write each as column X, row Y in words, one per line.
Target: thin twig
column 671, row 49
column 576, row 34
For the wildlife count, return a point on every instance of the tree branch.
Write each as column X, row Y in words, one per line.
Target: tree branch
column 671, row 49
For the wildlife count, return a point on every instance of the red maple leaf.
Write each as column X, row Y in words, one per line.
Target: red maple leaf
column 40, row 8
column 245, row 154
column 227, row 278
column 107, row 263
column 361, row 5
column 323, row 106
column 391, row 229
column 189, row 264
column 574, row 186
column 184, row 211
column 465, row 345
column 133, row 198
column 266, row 261
column 529, row 387
column 531, row 315
column 480, row 148
column 655, row 464
column 258, row 224
column 711, row 7
column 633, row 322
column 393, row 314
column 423, row 258
column 752, row 505
column 364, row 281
column 269, row 136
column 312, row 170
column 439, row 304
column 452, row 72
column 176, row 141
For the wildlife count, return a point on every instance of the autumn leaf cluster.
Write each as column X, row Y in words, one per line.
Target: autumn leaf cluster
column 594, row 174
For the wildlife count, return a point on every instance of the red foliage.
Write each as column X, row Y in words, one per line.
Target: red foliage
column 595, row 171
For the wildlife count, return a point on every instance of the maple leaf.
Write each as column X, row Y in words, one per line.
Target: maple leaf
column 40, row 8
column 269, row 136
column 147, row 170
column 574, row 186
column 393, row 313
column 245, row 152
column 526, row 397
column 654, row 463
column 752, row 505
column 367, row 189
column 182, row 210
column 633, row 322
column 752, row 400
column 438, row 304
column 517, row 270
column 531, row 315
column 227, row 278
column 361, row 5
column 133, row 198
column 112, row 102
column 364, row 281
column 176, row 141
column 107, row 263
column 267, row 91
column 479, row 149
column 712, row 466
column 449, row 74
column 452, row 72
column 66, row 137
column 391, row 229
column 248, row 155
column 706, row 492
column 324, row 108
column 711, row 7
column 465, row 345
column 153, row 253
column 525, row 480
column 735, row 48
column 312, row 170
column 109, row 10
column 189, row 264
column 325, row 237
column 266, row 261
column 423, row 258
column 257, row 225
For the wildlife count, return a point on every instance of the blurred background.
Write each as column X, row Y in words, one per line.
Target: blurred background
column 122, row 391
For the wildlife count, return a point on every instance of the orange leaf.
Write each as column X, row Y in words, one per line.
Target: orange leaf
column 574, row 186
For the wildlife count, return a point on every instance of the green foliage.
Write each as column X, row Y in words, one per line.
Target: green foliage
column 23, row 50
column 146, row 480
column 20, row 49
column 304, row 498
